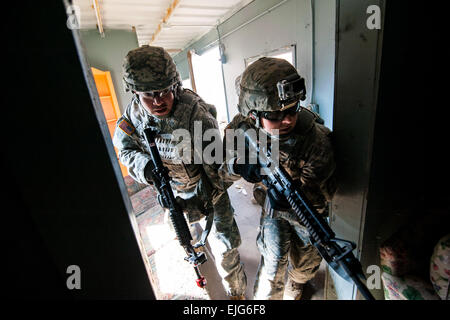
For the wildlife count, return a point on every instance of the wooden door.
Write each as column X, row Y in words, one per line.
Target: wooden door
column 109, row 103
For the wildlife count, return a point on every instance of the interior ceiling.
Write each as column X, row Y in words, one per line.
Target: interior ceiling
column 171, row 24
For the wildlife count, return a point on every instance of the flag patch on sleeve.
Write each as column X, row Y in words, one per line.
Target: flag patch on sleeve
column 126, row 127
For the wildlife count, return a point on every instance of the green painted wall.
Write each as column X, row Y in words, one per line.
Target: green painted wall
column 108, row 53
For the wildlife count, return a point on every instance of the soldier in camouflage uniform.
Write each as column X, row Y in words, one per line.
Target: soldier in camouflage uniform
column 305, row 153
column 159, row 102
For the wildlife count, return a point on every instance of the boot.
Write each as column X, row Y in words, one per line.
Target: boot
column 293, row 290
column 241, row 297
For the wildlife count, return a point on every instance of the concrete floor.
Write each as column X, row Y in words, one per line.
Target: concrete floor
column 174, row 278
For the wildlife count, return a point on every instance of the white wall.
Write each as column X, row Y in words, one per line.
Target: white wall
column 324, row 56
column 266, row 25
column 288, row 24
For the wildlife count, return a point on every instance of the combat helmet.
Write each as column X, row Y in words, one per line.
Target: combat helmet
column 269, row 84
column 149, row 68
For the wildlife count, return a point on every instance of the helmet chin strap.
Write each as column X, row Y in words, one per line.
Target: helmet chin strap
column 254, row 116
column 176, row 90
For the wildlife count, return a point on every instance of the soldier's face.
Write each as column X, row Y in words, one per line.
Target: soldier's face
column 283, row 126
column 159, row 104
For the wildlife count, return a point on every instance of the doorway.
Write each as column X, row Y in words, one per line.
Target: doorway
column 207, row 69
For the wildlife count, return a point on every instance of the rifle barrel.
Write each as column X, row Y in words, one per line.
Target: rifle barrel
column 176, row 213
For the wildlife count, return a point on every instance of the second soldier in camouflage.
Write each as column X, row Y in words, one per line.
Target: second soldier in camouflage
column 269, row 92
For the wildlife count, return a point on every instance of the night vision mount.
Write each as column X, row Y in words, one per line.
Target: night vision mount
column 291, row 89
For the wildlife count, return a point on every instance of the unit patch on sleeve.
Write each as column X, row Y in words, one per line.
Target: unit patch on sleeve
column 126, row 127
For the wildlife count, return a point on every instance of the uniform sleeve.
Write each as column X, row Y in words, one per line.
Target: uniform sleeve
column 131, row 153
column 318, row 167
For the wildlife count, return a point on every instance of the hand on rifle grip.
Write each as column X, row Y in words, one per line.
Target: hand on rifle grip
column 148, row 173
column 277, row 200
column 163, row 202
column 250, row 172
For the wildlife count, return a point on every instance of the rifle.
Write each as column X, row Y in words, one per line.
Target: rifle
column 339, row 257
column 162, row 184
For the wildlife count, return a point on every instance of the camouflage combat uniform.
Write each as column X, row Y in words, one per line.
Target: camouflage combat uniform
column 307, row 156
column 195, row 184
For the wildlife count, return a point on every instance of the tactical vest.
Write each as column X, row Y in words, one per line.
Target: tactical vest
column 293, row 156
column 185, row 174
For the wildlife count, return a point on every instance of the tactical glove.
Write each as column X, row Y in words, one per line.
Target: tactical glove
column 250, row 172
column 163, row 203
column 148, row 173
column 277, row 201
